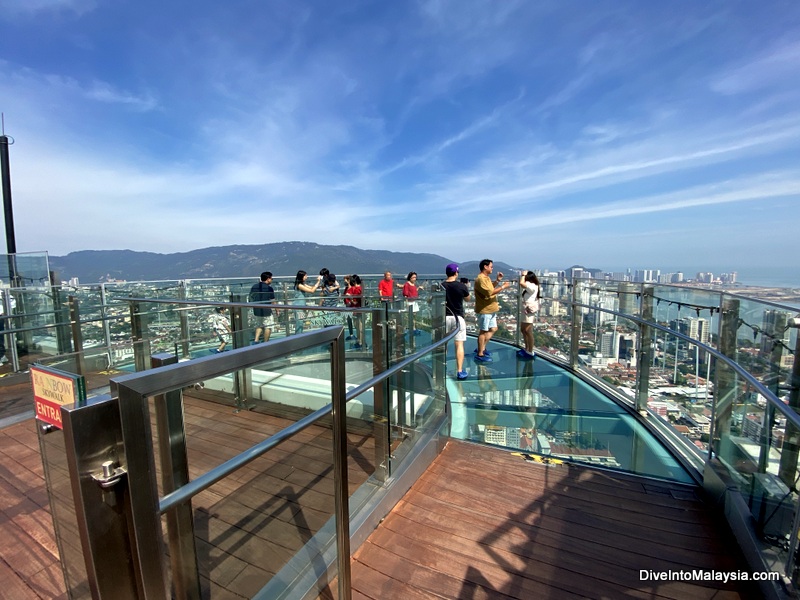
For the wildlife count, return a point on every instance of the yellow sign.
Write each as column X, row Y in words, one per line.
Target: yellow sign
column 537, row 458
column 52, row 390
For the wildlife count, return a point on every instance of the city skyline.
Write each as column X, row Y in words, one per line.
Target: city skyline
column 540, row 135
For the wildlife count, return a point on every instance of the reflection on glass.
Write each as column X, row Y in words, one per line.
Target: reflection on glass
column 536, row 407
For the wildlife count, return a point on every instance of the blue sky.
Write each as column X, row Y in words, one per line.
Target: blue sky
column 604, row 133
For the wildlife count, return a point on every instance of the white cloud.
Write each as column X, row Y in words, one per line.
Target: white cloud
column 105, row 92
column 777, row 66
column 30, row 7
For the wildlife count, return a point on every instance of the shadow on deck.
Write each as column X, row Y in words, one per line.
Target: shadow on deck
column 486, row 523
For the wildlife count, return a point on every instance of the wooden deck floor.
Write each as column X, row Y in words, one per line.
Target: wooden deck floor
column 481, row 523
column 484, row 523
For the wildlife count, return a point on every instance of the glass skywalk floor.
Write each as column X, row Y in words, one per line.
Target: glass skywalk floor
column 542, row 410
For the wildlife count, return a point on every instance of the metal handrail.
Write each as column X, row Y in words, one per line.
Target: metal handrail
column 221, row 471
column 303, row 307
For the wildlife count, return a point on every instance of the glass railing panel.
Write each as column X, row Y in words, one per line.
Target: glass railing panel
column 765, row 340
column 169, row 289
column 32, row 269
column 610, row 347
column 98, row 365
column 752, row 440
column 275, row 515
column 30, row 319
column 251, row 524
column 690, row 311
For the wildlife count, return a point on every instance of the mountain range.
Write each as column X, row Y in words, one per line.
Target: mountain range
column 281, row 258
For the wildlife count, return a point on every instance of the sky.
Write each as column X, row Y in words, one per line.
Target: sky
column 541, row 133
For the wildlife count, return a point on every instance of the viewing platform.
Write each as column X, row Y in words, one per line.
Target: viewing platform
column 332, row 462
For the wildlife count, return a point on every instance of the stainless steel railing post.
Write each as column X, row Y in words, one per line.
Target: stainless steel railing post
column 342, row 492
column 77, row 334
column 380, row 396
column 576, row 324
column 645, row 351
column 183, row 320
column 242, row 378
column 726, row 380
column 174, row 474
column 791, row 442
column 141, row 351
column 94, row 451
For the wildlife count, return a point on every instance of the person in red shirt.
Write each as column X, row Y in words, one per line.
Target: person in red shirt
column 386, row 287
column 411, row 294
column 352, row 299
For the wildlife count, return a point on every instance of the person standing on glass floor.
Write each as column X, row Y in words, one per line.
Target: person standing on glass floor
column 487, row 307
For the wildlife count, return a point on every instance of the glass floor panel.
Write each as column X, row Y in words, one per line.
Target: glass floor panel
column 537, row 407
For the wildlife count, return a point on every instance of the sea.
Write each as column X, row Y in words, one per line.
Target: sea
column 783, row 278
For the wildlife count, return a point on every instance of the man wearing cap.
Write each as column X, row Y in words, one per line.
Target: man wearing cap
column 486, row 307
column 455, row 294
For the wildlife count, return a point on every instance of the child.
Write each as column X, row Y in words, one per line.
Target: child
column 221, row 326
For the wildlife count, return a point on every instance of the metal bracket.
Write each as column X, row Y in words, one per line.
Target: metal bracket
column 110, row 476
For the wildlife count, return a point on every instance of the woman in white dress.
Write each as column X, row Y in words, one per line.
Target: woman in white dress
column 529, row 284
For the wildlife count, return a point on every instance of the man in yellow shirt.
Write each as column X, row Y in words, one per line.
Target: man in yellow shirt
column 486, row 307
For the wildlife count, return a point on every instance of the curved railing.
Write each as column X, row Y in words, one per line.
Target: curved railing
column 715, row 372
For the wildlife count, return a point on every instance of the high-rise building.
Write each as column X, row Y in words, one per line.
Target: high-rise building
column 696, row 328
column 609, row 344
column 647, row 275
column 579, row 273
column 627, row 346
column 705, row 277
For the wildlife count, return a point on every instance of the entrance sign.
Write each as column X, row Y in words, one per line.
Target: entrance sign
column 52, row 389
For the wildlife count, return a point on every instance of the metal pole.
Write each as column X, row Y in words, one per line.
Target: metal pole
column 726, row 381
column 8, row 211
column 791, row 442
column 380, row 397
column 577, row 318
column 61, row 318
column 93, row 448
column 183, row 317
column 77, row 334
column 242, row 379
column 645, row 349
column 174, row 474
column 137, row 334
column 341, row 497
column 106, row 326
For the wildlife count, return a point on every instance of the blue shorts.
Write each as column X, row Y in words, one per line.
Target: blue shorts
column 487, row 322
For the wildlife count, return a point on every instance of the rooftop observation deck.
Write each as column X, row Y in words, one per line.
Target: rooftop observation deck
column 481, row 522
column 570, row 475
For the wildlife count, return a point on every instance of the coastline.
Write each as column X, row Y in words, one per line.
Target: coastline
column 777, row 294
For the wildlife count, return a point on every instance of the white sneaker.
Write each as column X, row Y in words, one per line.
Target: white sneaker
column 3, row 360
